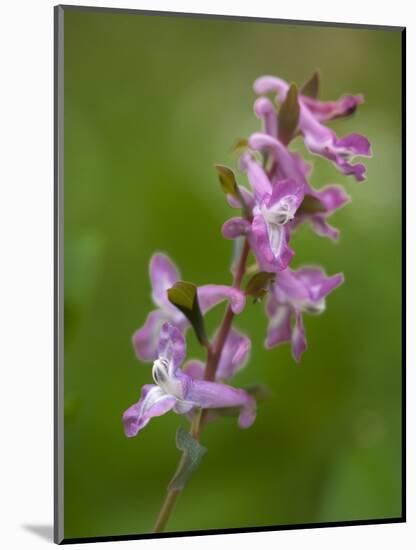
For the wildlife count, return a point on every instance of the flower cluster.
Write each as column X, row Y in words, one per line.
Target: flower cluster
column 279, row 199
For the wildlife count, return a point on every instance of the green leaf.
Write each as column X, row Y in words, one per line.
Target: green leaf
column 240, row 145
column 229, row 185
column 289, row 115
column 311, row 87
column 259, row 284
column 184, row 296
column 227, row 180
column 311, row 205
column 193, row 453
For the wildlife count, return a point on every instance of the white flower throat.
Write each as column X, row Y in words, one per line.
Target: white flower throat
column 164, row 378
column 315, row 308
column 276, row 216
column 281, row 212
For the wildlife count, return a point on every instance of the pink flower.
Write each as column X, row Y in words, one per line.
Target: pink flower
column 179, row 391
column 163, row 275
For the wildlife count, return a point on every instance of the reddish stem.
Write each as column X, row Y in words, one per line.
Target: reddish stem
column 214, row 356
column 215, row 350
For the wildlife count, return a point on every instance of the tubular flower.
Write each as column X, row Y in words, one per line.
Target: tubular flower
column 270, row 228
column 329, row 199
column 179, row 391
column 318, row 138
column 233, row 358
column 163, row 275
column 291, row 165
column 295, row 293
column 274, row 209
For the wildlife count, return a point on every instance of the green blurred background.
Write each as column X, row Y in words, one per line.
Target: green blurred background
column 151, row 104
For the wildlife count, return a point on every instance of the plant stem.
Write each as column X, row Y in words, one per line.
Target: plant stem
column 166, row 510
column 213, row 358
column 172, row 494
column 214, row 352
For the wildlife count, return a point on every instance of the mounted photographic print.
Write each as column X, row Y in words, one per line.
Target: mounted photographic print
column 228, row 229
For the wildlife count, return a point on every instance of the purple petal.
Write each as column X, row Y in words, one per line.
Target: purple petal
column 299, row 344
column 329, row 110
column 212, row 395
column 163, row 275
column 330, row 150
column 146, row 338
column 318, row 284
column 279, row 329
column 270, row 245
column 257, row 177
column 153, row 402
column 247, row 417
column 286, row 189
column 234, row 355
column 264, row 109
column 290, row 287
column 195, row 369
column 259, row 241
column 323, row 228
column 305, row 168
column 332, row 197
column 247, row 196
column 323, row 141
column 356, row 144
column 267, row 84
column 211, row 295
column 172, row 345
column 235, row 227
column 356, row 170
column 289, row 167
